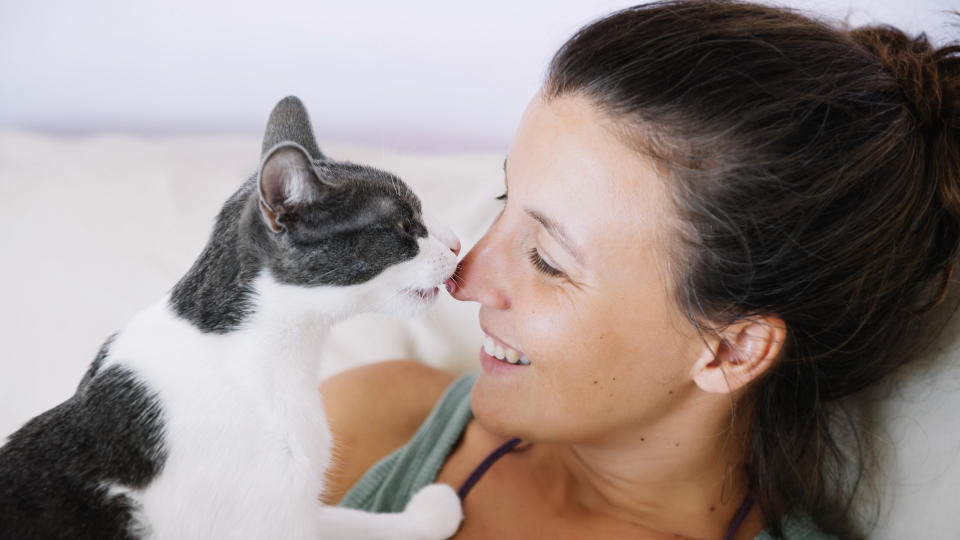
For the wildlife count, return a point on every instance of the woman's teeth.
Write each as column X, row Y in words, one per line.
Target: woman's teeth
column 503, row 353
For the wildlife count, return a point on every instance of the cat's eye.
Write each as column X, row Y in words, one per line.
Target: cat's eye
column 542, row 265
column 412, row 228
column 406, row 227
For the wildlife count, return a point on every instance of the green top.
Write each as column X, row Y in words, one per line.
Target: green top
column 389, row 484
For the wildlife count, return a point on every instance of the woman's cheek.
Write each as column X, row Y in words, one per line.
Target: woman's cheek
column 561, row 339
column 544, row 324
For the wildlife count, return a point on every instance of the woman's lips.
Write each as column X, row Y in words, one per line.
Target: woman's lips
column 491, row 365
column 496, row 348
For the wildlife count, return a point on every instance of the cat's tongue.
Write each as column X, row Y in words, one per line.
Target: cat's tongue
column 450, row 285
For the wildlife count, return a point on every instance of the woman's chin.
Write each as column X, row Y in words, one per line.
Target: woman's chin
column 496, row 410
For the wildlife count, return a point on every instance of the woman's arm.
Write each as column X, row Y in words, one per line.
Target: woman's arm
column 372, row 411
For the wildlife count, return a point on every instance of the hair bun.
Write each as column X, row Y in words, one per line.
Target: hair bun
column 929, row 80
column 928, row 77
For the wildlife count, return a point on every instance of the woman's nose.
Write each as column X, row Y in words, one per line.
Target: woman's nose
column 482, row 274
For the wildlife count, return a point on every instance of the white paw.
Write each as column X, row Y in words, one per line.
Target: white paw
column 435, row 512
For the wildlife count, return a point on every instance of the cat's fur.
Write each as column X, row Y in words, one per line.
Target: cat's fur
column 201, row 418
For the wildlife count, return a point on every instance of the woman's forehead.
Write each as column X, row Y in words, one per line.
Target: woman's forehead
column 567, row 164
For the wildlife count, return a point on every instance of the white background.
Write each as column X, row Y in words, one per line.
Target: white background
column 426, row 75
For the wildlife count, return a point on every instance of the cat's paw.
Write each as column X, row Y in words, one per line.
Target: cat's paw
column 436, row 512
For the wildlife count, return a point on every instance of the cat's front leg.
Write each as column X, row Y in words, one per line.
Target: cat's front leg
column 434, row 513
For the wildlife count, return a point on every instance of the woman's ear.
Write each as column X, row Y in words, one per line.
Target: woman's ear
column 740, row 354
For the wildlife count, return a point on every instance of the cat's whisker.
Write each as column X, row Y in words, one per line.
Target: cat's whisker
column 457, row 278
column 378, row 304
column 326, row 274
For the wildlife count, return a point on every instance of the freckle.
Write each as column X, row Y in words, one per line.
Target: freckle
column 670, row 392
column 614, row 378
column 678, row 445
column 611, row 395
column 642, row 439
column 712, row 508
column 594, row 382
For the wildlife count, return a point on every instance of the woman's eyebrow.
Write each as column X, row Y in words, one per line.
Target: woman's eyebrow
column 556, row 231
column 553, row 228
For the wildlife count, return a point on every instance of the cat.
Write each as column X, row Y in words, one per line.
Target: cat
column 201, row 418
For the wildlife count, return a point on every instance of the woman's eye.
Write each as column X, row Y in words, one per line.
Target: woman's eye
column 502, row 197
column 542, row 265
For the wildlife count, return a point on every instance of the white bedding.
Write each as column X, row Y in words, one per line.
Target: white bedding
column 95, row 228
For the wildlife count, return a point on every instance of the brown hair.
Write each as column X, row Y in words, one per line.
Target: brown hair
column 816, row 174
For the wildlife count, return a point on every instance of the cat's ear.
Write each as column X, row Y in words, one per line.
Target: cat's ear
column 287, row 180
column 289, row 122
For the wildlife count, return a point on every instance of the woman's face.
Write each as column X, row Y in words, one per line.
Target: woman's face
column 573, row 276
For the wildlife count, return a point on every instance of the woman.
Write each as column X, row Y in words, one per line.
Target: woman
column 720, row 218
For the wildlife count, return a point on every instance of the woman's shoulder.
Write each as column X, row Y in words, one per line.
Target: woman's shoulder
column 374, row 409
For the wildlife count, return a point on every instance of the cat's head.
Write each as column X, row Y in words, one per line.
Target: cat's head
column 354, row 232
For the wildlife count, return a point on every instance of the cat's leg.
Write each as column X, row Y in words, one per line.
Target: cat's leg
column 434, row 513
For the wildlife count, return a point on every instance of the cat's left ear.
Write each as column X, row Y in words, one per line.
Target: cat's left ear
column 287, row 180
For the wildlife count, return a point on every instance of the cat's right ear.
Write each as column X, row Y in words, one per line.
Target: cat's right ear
column 290, row 122
column 287, row 180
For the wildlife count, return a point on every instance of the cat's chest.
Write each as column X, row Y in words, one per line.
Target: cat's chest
column 242, row 430
column 231, row 381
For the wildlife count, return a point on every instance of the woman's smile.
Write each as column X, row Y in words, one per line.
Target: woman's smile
column 495, row 347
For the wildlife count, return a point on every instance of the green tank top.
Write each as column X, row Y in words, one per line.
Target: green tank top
column 389, row 484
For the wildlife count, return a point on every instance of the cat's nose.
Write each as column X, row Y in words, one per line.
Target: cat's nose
column 443, row 234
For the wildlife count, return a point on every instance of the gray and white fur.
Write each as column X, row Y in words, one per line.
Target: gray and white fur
column 201, row 418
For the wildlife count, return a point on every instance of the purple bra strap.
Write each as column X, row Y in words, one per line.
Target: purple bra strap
column 486, row 464
column 506, row 447
column 738, row 519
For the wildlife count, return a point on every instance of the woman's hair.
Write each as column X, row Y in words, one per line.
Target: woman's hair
column 815, row 171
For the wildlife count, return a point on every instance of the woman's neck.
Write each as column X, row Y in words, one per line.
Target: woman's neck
column 686, row 483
